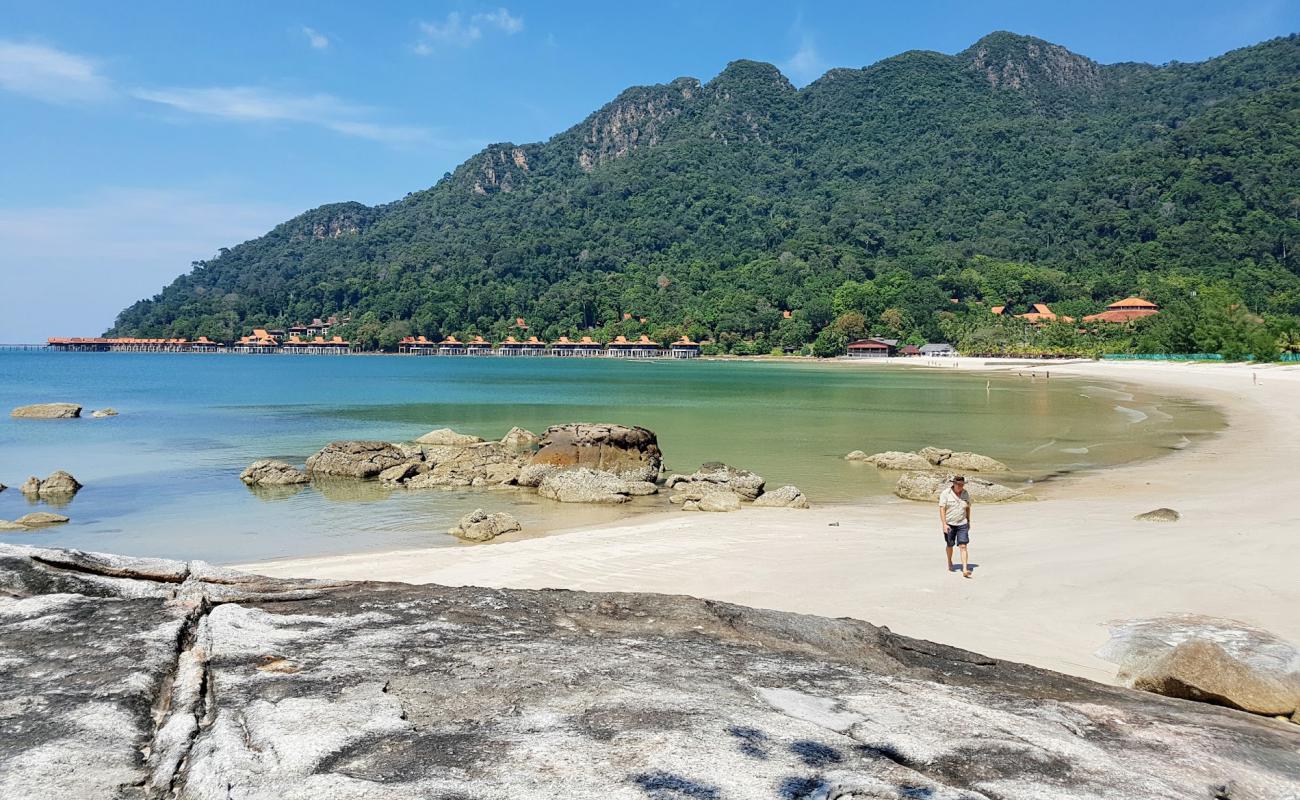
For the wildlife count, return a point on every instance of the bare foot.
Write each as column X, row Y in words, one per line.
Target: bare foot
column 967, row 574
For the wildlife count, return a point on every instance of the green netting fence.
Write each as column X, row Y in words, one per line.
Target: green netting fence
column 1185, row 357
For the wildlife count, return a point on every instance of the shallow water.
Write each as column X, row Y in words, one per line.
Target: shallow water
column 162, row 478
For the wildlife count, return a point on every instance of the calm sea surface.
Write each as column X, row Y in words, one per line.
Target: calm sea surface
column 162, row 478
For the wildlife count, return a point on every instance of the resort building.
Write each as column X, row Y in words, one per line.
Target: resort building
column 260, row 342
column 684, row 348
column 451, row 346
column 621, row 347
column 478, row 346
column 1126, row 310
column 1041, row 313
column 510, row 347
column 938, row 350
column 120, row 345
column 909, row 350
column 534, row 347
column 318, row 345
column 417, row 345
column 565, row 347
column 873, row 348
column 205, row 345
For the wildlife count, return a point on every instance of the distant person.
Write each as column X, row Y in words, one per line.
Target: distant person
column 954, row 516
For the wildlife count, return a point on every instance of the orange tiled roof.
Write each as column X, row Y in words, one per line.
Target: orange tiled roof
column 588, row 340
column 1131, row 303
column 686, row 340
column 997, row 309
column 450, row 340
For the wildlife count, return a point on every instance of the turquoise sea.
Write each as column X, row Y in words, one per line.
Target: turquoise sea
column 162, row 478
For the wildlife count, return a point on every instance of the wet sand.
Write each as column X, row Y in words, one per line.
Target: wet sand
column 1048, row 576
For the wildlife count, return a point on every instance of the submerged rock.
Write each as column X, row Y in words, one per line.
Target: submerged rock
column 742, row 482
column 47, row 411
column 928, row 485
column 266, row 688
column 856, row 455
column 784, row 497
column 628, row 452
column 40, row 519
column 355, row 459
column 899, row 461
column 480, row 526
column 268, row 472
column 961, row 461
column 448, row 436
column 104, row 412
column 584, row 485
column 1159, row 515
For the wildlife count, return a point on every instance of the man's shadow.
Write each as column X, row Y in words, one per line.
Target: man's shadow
column 957, row 567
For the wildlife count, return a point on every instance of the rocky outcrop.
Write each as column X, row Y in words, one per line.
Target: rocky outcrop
column 927, row 486
column 960, row 461
column 449, row 437
column 856, row 455
column 59, row 485
column 584, row 485
column 896, row 460
column 355, row 459
column 480, row 464
column 104, row 412
column 628, row 452
column 39, row 519
column 480, row 526
column 144, row 678
column 1159, row 515
column 268, row 472
column 784, row 497
column 715, row 475
column 47, row 411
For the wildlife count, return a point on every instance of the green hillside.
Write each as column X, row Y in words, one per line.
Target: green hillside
column 1010, row 173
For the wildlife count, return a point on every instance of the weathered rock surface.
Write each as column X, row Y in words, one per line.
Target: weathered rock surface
column 521, row 439
column 480, row 526
column 896, row 460
column 1159, row 515
column 715, row 502
column 584, row 485
column 628, row 452
column 47, row 411
column 269, row 472
column 784, row 497
column 138, row 679
column 961, row 461
column 104, row 412
column 856, row 455
column 927, row 485
column 31, row 487
column 1208, row 659
column 448, row 436
column 478, row 464
column 59, row 484
column 354, row 459
column 714, row 474
column 40, row 519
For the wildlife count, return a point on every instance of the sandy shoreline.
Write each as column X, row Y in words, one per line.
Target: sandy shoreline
column 1049, row 576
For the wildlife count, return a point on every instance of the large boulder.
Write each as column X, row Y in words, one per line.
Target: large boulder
column 784, row 497
column 926, row 486
column 747, row 484
column 480, row 526
column 355, row 459
column 628, row 452
column 448, row 436
column 269, row 472
column 960, row 461
column 389, row 690
column 40, row 519
column 898, row 461
column 477, row 464
column 584, row 485
column 47, row 411
column 59, row 485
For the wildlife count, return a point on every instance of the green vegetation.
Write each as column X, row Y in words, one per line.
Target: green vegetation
column 864, row 204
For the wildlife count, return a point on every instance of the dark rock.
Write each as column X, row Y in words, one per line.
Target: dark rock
column 165, row 679
column 628, row 452
column 352, row 459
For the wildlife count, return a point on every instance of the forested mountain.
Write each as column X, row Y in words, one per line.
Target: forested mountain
column 1010, row 173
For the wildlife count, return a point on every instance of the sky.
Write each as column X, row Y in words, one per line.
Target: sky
column 139, row 137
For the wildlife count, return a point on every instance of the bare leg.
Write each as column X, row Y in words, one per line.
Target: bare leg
column 950, row 559
column 965, row 562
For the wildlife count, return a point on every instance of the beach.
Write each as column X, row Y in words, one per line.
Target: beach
column 1049, row 575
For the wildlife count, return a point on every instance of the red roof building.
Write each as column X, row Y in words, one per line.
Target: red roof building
column 1126, row 310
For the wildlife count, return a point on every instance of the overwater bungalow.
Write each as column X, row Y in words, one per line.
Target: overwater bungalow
column 317, row 345
column 260, row 342
column 510, row 347
column 534, row 347
column 564, row 347
column 1126, row 310
column 478, row 346
column 205, row 345
column 451, row 346
column 643, row 347
column 417, row 346
column 684, row 348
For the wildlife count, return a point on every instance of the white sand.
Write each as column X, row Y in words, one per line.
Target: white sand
column 1050, row 574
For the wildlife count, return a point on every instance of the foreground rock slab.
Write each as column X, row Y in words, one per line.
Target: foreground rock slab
column 355, row 459
column 715, row 475
column 145, row 678
column 47, row 411
column 269, row 472
column 584, row 485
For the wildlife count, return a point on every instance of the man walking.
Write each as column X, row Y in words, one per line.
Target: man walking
column 954, row 516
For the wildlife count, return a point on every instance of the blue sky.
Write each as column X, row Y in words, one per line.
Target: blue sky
column 138, row 137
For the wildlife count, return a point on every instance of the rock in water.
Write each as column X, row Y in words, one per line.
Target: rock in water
column 856, row 455
column 927, row 485
column 47, row 411
column 268, row 472
column 104, row 412
column 1159, row 515
column 630, row 453
column 584, row 485
column 714, row 474
column 31, row 487
column 898, row 461
column 960, row 461
column 480, row 526
column 59, row 485
column 40, row 519
column 521, row 439
column 355, row 459
column 266, row 688
column 785, row 497
column 448, row 436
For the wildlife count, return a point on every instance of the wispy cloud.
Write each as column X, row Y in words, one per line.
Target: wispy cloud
column 460, row 31
column 806, row 64
column 50, row 75
column 256, row 104
column 315, row 38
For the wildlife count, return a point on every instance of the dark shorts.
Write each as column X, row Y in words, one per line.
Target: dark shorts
column 957, row 534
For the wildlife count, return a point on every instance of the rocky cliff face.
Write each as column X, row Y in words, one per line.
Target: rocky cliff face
column 141, row 678
column 637, row 118
column 1009, row 61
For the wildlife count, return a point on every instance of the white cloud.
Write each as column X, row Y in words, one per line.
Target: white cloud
column 256, row 104
column 50, row 75
column 806, row 64
column 315, row 38
column 107, row 250
column 459, row 31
